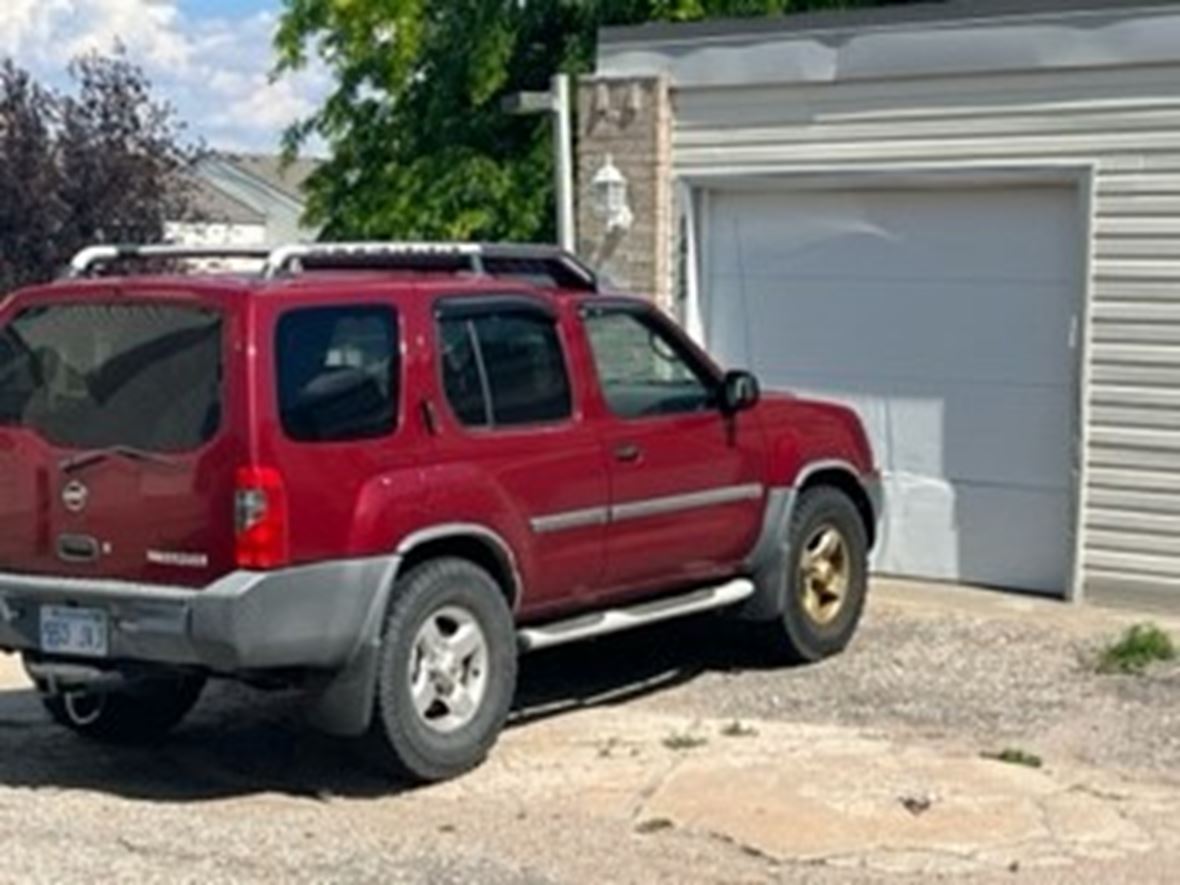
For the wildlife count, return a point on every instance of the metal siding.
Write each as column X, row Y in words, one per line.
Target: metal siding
column 1125, row 121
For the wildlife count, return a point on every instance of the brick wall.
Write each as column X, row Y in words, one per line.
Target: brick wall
column 629, row 120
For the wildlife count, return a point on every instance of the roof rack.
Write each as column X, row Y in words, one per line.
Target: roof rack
column 95, row 256
column 535, row 261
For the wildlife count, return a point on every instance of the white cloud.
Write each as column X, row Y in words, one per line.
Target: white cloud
column 269, row 104
column 215, row 70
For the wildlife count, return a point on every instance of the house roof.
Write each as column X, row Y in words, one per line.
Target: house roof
column 211, row 199
column 918, row 40
column 208, row 203
column 287, row 178
column 897, row 14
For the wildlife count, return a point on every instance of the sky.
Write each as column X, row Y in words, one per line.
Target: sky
column 209, row 58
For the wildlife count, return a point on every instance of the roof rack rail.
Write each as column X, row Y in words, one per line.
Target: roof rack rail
column 94, row 256
column 485, row 259
column 490, row 259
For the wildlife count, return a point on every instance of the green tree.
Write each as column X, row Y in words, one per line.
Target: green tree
column 418, row 144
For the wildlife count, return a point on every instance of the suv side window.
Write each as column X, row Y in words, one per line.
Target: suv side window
column 643, row 370
column 338, row 371
column 503, row 367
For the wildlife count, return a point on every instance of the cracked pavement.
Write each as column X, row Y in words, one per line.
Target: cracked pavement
column 668, row 756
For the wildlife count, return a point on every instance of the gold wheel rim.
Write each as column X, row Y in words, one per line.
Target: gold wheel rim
column 824, row 572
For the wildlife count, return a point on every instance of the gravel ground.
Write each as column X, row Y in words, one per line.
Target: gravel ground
column 245, row 792
column 996, row 681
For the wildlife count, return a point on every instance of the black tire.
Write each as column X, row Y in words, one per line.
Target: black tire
column 441, row 743
column 808, row 631
column 140, row 715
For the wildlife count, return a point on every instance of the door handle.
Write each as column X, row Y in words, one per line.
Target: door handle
column 628, row 453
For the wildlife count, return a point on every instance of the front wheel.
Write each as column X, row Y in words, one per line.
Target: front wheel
column 447, row 671
column 826, row 578
column 143, row 713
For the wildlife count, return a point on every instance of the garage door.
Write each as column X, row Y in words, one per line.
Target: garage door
column 945, row 317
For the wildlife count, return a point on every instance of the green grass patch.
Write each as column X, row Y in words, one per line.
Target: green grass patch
column 1136, row 649
column 1014, row 756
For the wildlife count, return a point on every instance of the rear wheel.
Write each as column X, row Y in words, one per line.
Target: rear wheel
column 447, row 671
column 826, row 578
column 141, row 714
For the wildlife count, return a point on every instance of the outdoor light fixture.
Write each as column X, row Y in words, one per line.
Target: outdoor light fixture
column 609, row 191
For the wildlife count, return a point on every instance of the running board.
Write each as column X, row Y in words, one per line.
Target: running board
column 616, row 620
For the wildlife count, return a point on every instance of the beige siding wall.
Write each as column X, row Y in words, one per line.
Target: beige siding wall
column 1124, row 121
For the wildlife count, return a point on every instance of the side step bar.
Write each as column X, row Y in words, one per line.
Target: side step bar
column 618, row 619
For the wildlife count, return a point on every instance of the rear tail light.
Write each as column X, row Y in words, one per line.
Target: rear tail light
column 260, row 518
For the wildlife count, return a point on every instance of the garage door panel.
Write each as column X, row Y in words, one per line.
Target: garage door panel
column 944, row 532
column 963, row 434
column 891, row 234
column 960, row 332
column 943, row 316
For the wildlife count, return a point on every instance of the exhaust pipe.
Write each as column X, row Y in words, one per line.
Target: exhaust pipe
column 56, row 677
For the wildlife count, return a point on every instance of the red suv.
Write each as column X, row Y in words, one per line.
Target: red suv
column 382, row 472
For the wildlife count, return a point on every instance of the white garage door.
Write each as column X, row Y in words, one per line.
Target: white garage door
column 945, row 317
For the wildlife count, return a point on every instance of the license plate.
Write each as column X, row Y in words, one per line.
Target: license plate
column 74, row 631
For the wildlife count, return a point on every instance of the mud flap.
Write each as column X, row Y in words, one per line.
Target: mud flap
column 768, row 563
column 343, row 706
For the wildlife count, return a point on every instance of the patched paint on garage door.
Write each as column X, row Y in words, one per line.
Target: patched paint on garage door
column 946, row 317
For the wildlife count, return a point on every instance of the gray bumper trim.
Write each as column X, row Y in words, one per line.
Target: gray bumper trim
column 314, row 616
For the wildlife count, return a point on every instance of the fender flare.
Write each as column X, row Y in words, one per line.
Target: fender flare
column 768, row 561
column 344, row 704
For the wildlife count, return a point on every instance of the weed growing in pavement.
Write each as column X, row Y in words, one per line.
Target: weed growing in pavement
column 738, row 729
column 1014, row 756
column 684, row 741
column 1134, row 651
column 653, row 825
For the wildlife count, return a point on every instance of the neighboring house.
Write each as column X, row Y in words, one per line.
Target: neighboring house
column 245, row 200
column 962, row 219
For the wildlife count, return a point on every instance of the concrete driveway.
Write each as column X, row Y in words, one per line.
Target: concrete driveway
column 672, row 756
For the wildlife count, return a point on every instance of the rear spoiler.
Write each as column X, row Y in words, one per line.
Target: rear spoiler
column 539, row 261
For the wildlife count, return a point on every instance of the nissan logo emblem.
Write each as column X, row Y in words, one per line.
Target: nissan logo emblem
column 74, row 496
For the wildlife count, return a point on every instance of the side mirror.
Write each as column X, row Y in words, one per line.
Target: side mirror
column 739, row 391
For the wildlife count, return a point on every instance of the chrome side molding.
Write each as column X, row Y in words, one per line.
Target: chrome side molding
column 628, row 510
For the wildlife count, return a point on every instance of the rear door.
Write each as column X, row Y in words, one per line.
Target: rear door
column 685, row 480
column 517, row 420
column 116, row 451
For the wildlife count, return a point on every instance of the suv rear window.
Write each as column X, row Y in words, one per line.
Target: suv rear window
column 338, row 372
column 143, row 375
column 504, row 368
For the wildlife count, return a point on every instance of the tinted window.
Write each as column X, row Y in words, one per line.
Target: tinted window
column 643, row 369
column 99, row 375
column 504, row 368
column 337, row 373
column 462, row 378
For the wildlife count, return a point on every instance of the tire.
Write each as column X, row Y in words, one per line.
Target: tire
column 141, row 715
column 447, row 671
column 821, row 609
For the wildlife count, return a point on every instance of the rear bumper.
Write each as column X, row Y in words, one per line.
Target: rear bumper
column 314, row 616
